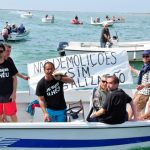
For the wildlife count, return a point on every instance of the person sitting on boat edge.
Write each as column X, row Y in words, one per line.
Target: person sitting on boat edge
column 51, row 95
column 142, row 94
column 113, row 110
column 98, row 96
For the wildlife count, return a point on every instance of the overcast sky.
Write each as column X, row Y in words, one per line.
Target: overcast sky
column 79, row 5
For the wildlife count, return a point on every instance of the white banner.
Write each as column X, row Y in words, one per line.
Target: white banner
column 85, row 69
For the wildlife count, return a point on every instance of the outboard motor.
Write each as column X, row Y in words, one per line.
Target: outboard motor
column 61, row 47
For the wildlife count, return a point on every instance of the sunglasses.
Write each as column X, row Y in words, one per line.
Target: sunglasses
column 103, row 81
column 145, row 56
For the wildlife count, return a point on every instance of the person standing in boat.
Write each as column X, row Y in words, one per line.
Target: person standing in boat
column 105, row 36
column 8, row 86
column 51, row 95
column 142, row 95
column 7, row 57
column 113, row 110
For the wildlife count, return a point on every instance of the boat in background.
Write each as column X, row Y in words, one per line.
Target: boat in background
column 74, row 21
column 134, row 49
column 48, row 19
column 16, row 36
column 32, row 134
column 108, row 22
column 26, row 15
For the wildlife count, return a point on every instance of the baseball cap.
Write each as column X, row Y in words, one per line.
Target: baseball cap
column 146, row 52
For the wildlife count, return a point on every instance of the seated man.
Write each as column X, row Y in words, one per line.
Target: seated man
column 113, row 110
column 21, row 29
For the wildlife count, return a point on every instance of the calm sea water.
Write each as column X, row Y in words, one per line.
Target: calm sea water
column 44, row 38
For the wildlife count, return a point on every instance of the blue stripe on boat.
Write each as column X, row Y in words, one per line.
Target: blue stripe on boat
column 50, row 143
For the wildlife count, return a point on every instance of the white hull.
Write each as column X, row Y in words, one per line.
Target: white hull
column 134, row 49
column 26, row 15
column 109, row 22
column 16, row 36
column 95, row 136
column 48, row 20
column 80, row 135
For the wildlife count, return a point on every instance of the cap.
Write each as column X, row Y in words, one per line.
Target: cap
column 146, row 52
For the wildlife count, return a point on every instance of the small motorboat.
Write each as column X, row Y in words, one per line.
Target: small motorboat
column 48, row 19
column 16, row 36
column 108, row 22
column 26, row 15
column 32, row 133
column 134, row 49
column 74, row 21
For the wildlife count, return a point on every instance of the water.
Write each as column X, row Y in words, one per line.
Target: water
column 44, row 38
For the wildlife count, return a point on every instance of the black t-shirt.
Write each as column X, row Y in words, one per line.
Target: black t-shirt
column 13, row 64
column 104, row 31
column 7, row 70
column 52, row 92
column 115, row 106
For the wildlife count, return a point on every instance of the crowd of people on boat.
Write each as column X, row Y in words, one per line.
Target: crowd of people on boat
column 108, row 102
column 8, row 29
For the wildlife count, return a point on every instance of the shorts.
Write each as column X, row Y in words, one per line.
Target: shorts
column 56, row 115
column 8, row 109
column 140, row 101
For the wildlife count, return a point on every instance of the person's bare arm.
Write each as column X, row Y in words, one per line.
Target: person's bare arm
column 42, row 105
column 98, row 113
column 133, row 70
column 13, row 95
column 23, row 76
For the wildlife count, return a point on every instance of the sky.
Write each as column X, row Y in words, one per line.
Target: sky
column 137, row 6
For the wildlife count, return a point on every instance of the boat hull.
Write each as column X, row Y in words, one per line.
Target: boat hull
column 133, row 49
column 16, row 36
column 93, row 136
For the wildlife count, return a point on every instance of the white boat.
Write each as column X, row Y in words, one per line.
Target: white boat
column 134, row 49
column 49, row 19
column 75, row 135
column 16, row 36
column 108, row 22
column 26, row 15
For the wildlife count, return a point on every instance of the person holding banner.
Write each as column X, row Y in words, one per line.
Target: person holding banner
column 113, row 110
column 51, row 95
column 142, row 95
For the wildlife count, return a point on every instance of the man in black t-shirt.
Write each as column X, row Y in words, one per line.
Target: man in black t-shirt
column 105, row 36
column 8, row 85
column 51, row 95
column 7, row 57
column 113, row 110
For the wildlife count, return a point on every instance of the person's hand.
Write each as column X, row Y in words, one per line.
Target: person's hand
column 13, row 97
column 93, row 115
column 140, row 87
column 26, row 78
column 57, row 75
column 46, row 118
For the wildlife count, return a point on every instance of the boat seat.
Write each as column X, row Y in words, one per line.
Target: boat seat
column 75, row 112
